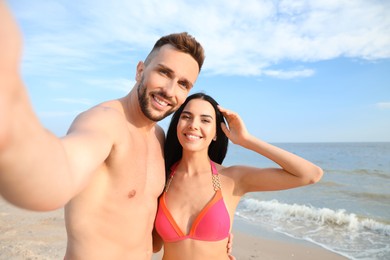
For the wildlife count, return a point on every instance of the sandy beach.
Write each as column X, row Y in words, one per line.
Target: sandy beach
column 36, row 235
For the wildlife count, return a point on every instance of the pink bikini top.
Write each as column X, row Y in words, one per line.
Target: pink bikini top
column 212, row 223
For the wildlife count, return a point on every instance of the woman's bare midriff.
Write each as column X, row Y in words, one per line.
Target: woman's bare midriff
column 190, row 249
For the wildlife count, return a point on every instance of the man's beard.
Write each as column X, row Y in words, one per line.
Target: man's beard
column 145, row 105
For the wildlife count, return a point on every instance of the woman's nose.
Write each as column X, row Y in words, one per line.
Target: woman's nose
column 193, row 125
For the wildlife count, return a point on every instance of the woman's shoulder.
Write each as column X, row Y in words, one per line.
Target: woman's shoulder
column 235, row 171
column 228, row 170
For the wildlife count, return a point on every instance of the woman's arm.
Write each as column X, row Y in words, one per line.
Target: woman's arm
column 294, row 172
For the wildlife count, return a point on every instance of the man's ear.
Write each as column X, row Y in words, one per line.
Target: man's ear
column 140, row 71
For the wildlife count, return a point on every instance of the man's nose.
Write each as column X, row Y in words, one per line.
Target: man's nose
column 170, row 88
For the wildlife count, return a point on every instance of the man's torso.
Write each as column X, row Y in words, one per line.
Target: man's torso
column 113, row 217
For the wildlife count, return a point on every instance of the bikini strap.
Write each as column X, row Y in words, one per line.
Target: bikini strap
column 215, row 177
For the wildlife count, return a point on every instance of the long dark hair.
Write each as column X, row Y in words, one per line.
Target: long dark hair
column 173, row 150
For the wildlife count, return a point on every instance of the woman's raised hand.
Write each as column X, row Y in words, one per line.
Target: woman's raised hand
column 236, row 130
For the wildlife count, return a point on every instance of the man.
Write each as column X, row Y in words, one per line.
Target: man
column 108, row 170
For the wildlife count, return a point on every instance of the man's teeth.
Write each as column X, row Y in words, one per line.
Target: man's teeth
column 161, row 102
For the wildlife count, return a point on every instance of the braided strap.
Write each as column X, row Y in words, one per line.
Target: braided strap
column 216, row 182
column 168, row 183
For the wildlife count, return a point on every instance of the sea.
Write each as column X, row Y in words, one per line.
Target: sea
column 347, row 211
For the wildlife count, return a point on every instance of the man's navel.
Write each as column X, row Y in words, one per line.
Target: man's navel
column 131, row 194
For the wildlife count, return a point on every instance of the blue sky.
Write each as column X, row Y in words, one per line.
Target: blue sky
column 296, row 71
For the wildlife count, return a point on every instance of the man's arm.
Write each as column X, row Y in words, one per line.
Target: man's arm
column 24, row 143
column 10, row 52
column 38, row 171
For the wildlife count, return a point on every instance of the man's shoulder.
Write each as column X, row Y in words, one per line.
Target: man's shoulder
column 106, row 109
column 102, row 116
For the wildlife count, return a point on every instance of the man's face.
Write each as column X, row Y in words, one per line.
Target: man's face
column 164, row 83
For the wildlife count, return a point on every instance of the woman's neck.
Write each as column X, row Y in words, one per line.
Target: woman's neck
column 193, row 163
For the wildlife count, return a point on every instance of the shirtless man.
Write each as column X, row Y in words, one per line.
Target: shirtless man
column 108, row 171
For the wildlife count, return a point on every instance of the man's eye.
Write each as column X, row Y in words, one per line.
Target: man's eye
column 184, row 84
column 165, row 72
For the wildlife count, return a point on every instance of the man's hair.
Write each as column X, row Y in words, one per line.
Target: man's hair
column 183, row 42
column 173, row 150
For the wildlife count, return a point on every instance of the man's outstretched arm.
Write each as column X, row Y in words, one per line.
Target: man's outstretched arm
column 39, row 171
column 24, row 143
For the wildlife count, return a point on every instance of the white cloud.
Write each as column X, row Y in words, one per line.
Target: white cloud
column 383, row 105
column 243, row 39
column 289, row 74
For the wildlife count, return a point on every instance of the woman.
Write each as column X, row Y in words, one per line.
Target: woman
column 196, row 209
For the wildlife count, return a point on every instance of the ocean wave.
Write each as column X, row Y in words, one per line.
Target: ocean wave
column 353, row 236
column 280, row 212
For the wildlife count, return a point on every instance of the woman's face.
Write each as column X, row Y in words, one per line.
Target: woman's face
column 197, row 125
